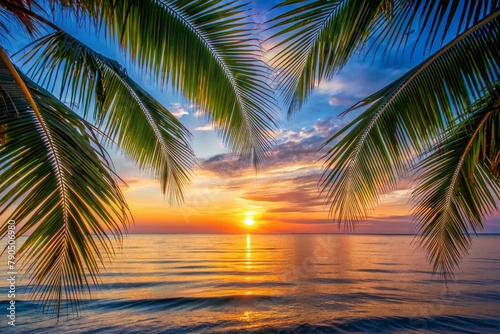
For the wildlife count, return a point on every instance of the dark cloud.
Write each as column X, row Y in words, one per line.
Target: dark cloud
column 302, row 197
column 225, row 165
column 291, row 172
column 295, row 148
column 299, row 194
column 309, row 207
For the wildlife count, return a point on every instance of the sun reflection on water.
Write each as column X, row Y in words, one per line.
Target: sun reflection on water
column 249, row 253
column 232, row 283
column 247, row 315
column 249, row 281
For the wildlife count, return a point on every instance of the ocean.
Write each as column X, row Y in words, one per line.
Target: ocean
column 294, row 283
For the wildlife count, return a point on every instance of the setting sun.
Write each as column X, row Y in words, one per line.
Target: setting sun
column 249, row 221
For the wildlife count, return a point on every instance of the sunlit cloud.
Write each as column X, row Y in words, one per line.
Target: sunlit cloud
column 178, row 110
column 207, row 127
column 199, row 113
column 131, row 185
column 344, row 89
column 282, row 196
column 332, row 87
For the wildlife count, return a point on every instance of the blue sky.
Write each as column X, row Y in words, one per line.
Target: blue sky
column 283, row 196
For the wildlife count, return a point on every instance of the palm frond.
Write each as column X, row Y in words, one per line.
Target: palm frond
column 459, row 186
column 429, row 22
column 19, row 12
column 206, row 50
column 140, row 125
column 408, row 116
column 316, row 39
column 56, row 174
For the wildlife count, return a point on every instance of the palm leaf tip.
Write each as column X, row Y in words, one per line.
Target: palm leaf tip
column 315, row 39
column 21, row 12
column 457, row 187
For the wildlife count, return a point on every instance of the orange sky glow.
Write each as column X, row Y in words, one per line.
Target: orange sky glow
column 282, row 197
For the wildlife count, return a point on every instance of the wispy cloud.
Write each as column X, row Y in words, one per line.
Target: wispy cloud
column 133, row 183
column 207, row 127
column 285, row 188
column 178, row 110
column 344, row 89
column 199, row 113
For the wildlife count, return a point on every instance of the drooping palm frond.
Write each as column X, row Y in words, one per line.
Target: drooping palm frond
column 56, row 175
column 206, row 50
column 209, row 52
column 140, row 125
column 316, row 38
column 429, row 22
column 408, row 116
column 18, row 11
column 458, row 185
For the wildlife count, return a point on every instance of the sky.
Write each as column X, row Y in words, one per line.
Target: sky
column 283, row 196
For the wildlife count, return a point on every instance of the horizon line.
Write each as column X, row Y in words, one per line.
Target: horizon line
column 281, row 233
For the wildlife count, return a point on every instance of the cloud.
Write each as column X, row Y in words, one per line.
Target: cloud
column 338, row 101
column 344, row 89
column 295, row 191
column 295, row 150
column 225, row 165
column 177, row 110
column 199, row 113
column 295, row 196
column 333, row 86
column 132, row 183
column 287, row 180
column 207, row 127
column 328, row 126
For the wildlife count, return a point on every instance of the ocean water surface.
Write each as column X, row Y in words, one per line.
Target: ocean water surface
column 296, row 283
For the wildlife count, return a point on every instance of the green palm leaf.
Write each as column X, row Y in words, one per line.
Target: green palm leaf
column 56, row 174
column 407, row 116
column 318, row 39
column 206, row 50
column 459, row 185
column 17, row 12
column 315, row 39
column 58, row 170
column 140, row 125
